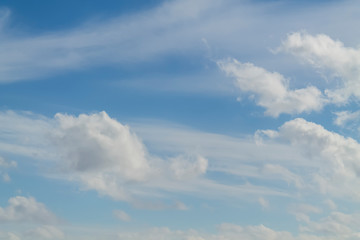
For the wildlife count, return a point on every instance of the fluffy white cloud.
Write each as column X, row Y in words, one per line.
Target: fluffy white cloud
column 93, row 143
column 45, row 232
column 100, row 153
column 335, row 158
column 22, row 209
column 327, row 54
column 271, row 89
column 105, row 155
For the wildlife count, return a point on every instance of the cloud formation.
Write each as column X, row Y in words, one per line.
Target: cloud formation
column 271, row 89
column 328, row 55
column 23, row 209
column 335, row 157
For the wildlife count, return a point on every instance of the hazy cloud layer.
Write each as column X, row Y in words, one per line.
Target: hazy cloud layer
column 44, row 232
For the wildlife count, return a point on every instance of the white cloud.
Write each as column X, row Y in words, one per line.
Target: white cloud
column 6, row 164
column 23, row 133
column 336, row 167
column 301, row 211
column 179, row 26
column 263, row 202
column 101, row 154
column 326, row 54
column 45, row 232
column 344, row 117
column 6, row 177
column 121, row 215
column 22, row 209
column 184, row 168
column 98, row 143
column 271, row 89
column 337, row 225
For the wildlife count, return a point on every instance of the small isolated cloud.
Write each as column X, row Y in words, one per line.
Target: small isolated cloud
column 45, row 232
column 328, row 55
column 23, row 209
column 263, row 202
column 6, row 164
column 271, row 89
column 180, row 206
column 185, row 168
column 121, row 215
column 6, row 177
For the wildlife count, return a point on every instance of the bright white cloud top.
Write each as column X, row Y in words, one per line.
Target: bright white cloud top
column 179, row 120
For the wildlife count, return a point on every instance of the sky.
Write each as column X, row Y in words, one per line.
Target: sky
column 179, row 120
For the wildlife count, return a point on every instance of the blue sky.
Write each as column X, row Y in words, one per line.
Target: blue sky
column 180, row 120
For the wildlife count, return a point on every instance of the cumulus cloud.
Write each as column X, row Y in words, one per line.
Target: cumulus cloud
column 45, row 232
column 23, row 209
column 97, row 152
column 327, row 54
column 105, row 155
column 98, row 143
column 271, row 89
column 335, row 158
column 100, row 153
